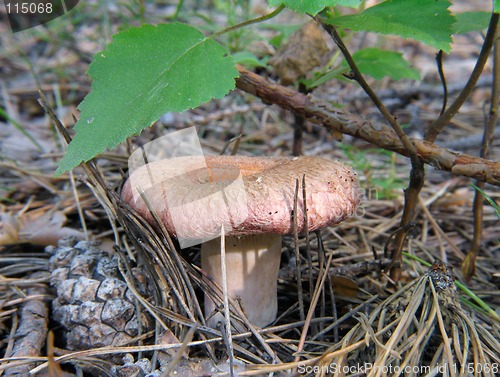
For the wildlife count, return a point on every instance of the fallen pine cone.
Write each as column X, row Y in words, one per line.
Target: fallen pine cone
column 93, row 303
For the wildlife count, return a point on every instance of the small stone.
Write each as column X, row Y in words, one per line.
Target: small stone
column 129, row 371
column 144, row 364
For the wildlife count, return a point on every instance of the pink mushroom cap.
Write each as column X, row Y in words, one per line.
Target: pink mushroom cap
column 332, row 193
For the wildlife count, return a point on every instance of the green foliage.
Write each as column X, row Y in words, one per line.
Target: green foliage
column 381, row 180
column 314, row 7
column 235, row 12
column 373, row 62
column 248, row 59
column 284, row 32
column 495, row 206
column 150, row 70
column 428, row 21
column 496, row 8
column 144, row 73
column 349, row 3
column 320, row 78
column 379, row 63
column 21, row 129
column 471, row 21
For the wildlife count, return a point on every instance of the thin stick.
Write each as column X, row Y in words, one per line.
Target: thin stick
column 436, row 127
column 44, row 103
column 378, row 133
column 417, row 173
column 300, row 293
column 489, row 130
column 250, row 22
column 358, row 77
column 308, row 240
column 227, row 311
column 314, row 300
column 439, row 61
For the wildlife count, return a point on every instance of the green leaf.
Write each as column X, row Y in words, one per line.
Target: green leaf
column 284, row 32
column 145, row 72
column 313, row 7
column 21, row 129
column 495, row 206
column 349, row 3
column 496, row 7
column 248, row 59
column 319, row 79
column 380, row 63
column 471, row 21
column 428, row 21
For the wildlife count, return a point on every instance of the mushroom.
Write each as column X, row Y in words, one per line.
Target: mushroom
column 255, row 214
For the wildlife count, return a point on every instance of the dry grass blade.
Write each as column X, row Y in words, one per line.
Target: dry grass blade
column 54, row 368
column 429, row 321
column 419, row 330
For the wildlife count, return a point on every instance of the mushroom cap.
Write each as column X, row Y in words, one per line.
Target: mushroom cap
column 248, row 195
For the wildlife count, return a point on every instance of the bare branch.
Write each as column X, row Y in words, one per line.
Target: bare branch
column 323, row 114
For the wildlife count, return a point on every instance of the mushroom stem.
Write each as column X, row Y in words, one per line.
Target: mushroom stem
column 252, row 264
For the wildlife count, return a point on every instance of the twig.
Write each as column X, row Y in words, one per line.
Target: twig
column 263, row 18
column 417, row 173
column 439, row 62
column 32, row 331
column 320, row 283
column 227, row 311
column 308, row 240
column 358, row 77
column 298, row 128
column 469, row 265
column 300, row 293
column 325, row 115
column 436, row 127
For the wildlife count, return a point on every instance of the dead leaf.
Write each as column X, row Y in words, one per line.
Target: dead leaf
column 344, row 286
column 36, row 227
column 469, row 265
column 54, row 368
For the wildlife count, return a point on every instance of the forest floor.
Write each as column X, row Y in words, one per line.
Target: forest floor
column 38, row 209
